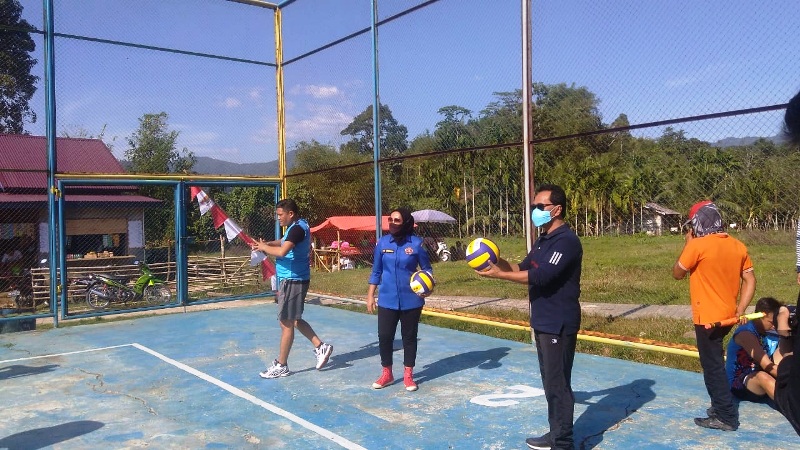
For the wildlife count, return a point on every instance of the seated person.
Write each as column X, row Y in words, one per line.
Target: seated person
column 458, row 252
column 430, row 245
column 787, row 385
column 752, row 360
column 11, row 256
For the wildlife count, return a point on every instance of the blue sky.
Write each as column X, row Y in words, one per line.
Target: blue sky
column 649, row 60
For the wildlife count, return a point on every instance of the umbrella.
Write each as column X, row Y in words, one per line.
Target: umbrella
column 432, row 216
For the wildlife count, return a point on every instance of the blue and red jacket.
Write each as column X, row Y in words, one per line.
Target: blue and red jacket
column 394, row 261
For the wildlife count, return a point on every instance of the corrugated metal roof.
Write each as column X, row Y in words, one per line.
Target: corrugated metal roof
column 17, row 199
column 29, row 153
column 663, row 210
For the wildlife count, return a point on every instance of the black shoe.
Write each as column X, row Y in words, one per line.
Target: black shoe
column 710, row 412
column 714, row 424
column 539, row 443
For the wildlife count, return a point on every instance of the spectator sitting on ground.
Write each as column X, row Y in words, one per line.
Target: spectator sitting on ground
column 459, row 251
column 752, row 359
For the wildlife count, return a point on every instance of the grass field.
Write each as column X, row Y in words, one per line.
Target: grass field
column 629, row 269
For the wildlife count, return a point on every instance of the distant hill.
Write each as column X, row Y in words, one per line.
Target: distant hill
column 747, row 140
column 206, row 166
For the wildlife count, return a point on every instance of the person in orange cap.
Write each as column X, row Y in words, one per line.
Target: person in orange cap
column 721, row 273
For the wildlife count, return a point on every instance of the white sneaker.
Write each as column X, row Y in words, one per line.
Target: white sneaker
column 323, row 352
column 275, row 371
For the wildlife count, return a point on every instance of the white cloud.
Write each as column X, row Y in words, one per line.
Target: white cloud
column 324, row 122
column 268, row 134
column 703, row 74
column 231, row 102
column 255, row 93
column 317, row 91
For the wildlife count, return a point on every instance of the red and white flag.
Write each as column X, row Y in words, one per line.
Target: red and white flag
column 232, row 230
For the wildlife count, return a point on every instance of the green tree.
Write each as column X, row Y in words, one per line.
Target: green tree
column 17, row 84
column 152, row 148
column 344, row 191
column 393, row 135
column 453, row 130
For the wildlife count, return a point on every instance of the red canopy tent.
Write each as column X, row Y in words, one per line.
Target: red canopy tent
column 357, row 231
column 351, row 223
column 352, row 229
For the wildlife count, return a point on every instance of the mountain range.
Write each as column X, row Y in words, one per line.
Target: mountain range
column 747, row 140
column 207, row 165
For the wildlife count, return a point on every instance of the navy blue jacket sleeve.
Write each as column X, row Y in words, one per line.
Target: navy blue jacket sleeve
column 551, row 265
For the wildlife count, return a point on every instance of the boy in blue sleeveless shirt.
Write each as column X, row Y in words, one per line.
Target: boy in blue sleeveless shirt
column 294, row 272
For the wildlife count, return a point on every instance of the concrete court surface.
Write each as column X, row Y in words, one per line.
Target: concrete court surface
column 190, row 380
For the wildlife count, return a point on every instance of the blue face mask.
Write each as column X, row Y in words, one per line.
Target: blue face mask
column 540, row 217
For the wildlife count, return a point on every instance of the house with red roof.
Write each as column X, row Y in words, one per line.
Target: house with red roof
column 100, row 219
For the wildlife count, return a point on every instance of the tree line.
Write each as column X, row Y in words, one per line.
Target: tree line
column 608, row 177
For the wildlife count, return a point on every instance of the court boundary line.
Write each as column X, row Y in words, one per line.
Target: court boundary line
column 55, row 355
column 219, row 383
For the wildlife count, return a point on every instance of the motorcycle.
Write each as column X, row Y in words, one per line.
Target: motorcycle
column 103, row 289
column 22, row 289
column 442, row 251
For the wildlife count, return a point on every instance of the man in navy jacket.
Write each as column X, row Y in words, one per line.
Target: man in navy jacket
column 552, row 271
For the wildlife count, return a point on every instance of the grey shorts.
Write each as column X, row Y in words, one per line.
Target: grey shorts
column 291, row 299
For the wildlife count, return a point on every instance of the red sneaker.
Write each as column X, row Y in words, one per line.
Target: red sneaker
column 386, row 379
column 408, row 379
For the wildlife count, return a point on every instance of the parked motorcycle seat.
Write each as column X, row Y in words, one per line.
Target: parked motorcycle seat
column 121, row 280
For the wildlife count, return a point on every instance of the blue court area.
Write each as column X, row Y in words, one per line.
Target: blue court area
column 191, row 381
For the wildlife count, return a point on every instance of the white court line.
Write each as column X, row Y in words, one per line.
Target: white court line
column 233, row 390
column 55, row 355
column 255, row 400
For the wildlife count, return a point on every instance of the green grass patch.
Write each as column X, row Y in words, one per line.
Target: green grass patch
column 628, row 269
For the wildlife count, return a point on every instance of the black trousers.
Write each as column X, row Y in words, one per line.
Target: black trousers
column 709, row 345
column 387, row 327
column 556, row 353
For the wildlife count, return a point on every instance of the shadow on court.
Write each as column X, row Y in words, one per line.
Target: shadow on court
column 190, row 380
column 483, row 359
column 15, row 371
column 607, row 409
column 47, row 436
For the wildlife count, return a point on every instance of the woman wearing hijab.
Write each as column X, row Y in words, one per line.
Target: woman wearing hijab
column 397, row 256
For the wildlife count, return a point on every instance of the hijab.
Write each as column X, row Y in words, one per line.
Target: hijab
column 405, row 229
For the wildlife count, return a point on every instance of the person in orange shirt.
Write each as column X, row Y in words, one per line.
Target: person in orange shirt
column 721, row 273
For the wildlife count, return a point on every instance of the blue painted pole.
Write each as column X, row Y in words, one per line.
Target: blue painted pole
column 50, row 125
column 181, row 259
column 61, row 232
column 376, row 124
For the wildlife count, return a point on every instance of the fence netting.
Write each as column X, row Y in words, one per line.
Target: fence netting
column 639, row 111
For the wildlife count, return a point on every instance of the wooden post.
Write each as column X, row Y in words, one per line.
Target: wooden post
column 222, row 252
column 338, row 251
column 169, row 259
